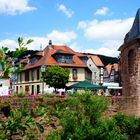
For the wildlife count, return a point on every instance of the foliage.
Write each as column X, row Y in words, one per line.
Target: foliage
column 24, row 54
column 20, row 123
column 53, row 136
column 129, row 125
column 7, row 62
column 81, row 119
column 21, row 47
column 80, row 116
column 56, row 76
column 108, row 60
column 21, row 95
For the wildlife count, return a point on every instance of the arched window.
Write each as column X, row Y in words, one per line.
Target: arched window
column 131, row 59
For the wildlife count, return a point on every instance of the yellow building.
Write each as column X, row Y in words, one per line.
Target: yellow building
column 30, row 81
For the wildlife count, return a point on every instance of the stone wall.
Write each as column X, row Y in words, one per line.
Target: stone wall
column 129, row 64
column 124, row 105
column 130, row 77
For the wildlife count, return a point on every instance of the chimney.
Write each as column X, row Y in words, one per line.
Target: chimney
column 50, row 42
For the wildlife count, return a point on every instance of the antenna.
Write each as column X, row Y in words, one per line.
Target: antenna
column 40, row 47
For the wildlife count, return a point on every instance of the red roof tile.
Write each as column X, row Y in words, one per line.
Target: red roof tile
column 109, row 68
column 97, row 60
column 48, row 58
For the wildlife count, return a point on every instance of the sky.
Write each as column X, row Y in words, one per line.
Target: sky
column 88, row 26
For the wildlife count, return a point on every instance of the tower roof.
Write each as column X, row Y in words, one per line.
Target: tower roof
column 134, row 32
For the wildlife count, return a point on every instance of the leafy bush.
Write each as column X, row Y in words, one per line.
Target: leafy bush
column 81, row 115
column 21, row 95
column 81, row 119
column 78, row 117
column 21, row 123
column 129, row 125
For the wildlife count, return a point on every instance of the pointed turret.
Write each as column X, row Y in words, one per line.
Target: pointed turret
column 134, row 32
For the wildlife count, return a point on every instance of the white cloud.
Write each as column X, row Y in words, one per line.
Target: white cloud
column 13, row 7
column 108, row 29
column 39, row 42
column 68, row 12
column 103, row 51
column 35, row 45
column 82, row 25
column 109, row 34
column 108, row 48
column 11, row 44
column 102, row 11
column 61, row 37
column 76, row 46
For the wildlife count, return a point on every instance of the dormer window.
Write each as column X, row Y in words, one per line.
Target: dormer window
column 61, row 58
column 34, row 60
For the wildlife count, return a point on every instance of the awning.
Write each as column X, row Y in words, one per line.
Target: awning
column 86, row 85
column 112, row 85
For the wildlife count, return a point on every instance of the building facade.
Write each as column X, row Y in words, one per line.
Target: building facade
column 111, row 73
column 30, row 79
column 96, row 66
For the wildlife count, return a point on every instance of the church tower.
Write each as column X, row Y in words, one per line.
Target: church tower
column 130, row 60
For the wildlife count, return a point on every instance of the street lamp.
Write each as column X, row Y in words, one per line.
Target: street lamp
column 43, row 68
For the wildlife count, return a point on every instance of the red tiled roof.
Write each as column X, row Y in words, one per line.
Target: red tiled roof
column 24, row 60
column 109, row 68
column 81, row 54
column 97, row 60
column 40, row 53
column 49, row 59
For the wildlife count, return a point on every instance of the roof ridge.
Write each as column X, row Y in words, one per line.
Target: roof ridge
column 134, row 32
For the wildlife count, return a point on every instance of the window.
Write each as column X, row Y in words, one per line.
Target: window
column 95, row 75
column 27, row 76
column 32, row 89
column 27, row 88
column 84, row 59
column 38, row 74
column 21, row 89
column 105, row 73
column 32, row 75
column 38, row 89
column 34, row 60
column 20, row 77
column 74, row 74
column 16, row 89
column 63, row 58
column 88, row 74
column 131, row 57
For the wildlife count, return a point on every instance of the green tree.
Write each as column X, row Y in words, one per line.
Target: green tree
column 5, row 62
column 56, row 76
column 21, row 47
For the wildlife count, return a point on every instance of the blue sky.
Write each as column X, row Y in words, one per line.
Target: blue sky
column 92, row 26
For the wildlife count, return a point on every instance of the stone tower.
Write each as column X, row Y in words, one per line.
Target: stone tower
column 130, row 69
column 130, row 60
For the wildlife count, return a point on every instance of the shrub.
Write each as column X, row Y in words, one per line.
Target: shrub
column 81, row 115
column 20, row 95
